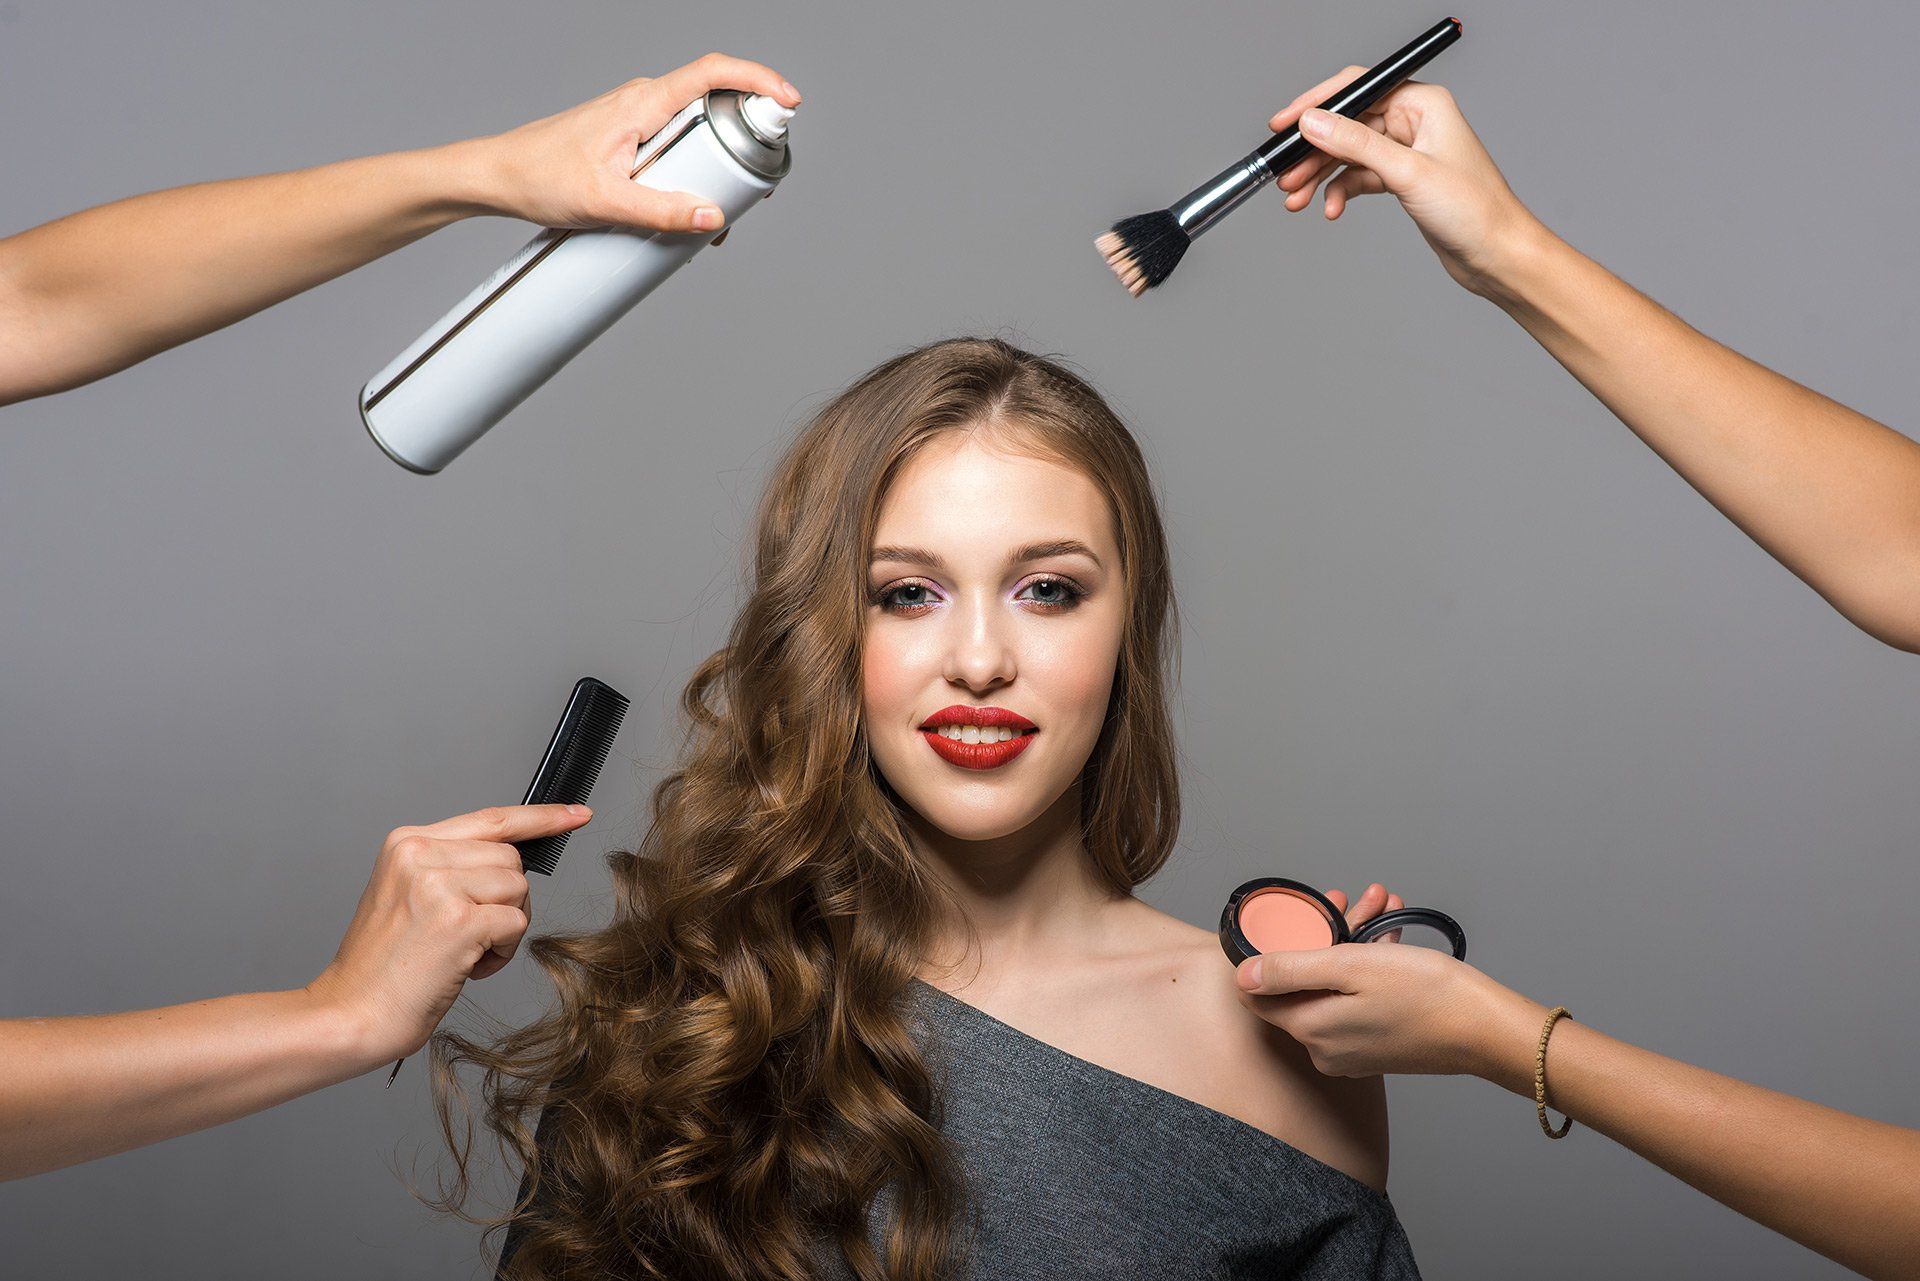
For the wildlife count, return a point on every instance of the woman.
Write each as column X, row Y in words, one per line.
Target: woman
column 877, row 997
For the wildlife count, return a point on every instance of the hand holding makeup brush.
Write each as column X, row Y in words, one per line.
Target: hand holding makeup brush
column 1830, row 493
column 1416, row 144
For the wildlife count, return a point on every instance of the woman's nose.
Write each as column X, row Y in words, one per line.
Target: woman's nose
column 980, row 650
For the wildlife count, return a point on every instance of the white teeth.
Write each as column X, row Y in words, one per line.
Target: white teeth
column 978, row 733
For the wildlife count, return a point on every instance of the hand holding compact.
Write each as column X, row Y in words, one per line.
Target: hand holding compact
column 1364, row 1011
column 574, row 169
column 1417, row 145
column 446, row 903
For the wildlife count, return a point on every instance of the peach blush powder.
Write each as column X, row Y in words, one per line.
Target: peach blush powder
column 1275, row 920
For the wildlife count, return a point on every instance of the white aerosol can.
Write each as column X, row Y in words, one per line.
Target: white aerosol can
column 566, row 287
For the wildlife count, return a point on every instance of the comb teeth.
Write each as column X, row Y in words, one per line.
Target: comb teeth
column 572, row 764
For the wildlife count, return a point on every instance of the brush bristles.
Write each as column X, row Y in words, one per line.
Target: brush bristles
column 1143, row 250
column 1120, row 261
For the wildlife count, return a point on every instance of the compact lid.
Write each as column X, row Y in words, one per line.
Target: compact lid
column 1416, row 927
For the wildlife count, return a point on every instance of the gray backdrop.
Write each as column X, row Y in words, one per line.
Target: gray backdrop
column 1448, row 624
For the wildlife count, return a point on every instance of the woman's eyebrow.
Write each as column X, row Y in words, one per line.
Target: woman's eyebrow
column 1032, row 551
column 1057, row 547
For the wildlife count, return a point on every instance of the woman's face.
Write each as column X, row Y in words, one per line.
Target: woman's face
column 994, row 617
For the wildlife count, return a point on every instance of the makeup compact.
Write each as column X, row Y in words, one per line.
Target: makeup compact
column 1274, row 914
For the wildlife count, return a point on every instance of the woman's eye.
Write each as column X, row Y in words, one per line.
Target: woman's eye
column 904, row 596
column 1054, row 593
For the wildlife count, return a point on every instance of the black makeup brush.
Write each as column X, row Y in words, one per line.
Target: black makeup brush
column 567, row 772
column 1143, row 250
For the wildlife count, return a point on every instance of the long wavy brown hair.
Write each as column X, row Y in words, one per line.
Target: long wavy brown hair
column 729, row 1080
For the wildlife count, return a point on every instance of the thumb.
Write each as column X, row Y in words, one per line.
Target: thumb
column 1355, row 143
column 1277, row 973
column 649, row 209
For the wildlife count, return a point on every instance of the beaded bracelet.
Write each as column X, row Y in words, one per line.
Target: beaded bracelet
column 1540, row 1077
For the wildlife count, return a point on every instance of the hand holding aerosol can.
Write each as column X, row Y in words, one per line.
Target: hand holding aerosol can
column 568, row 285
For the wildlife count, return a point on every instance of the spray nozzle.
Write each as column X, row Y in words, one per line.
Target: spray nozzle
column 766, row 117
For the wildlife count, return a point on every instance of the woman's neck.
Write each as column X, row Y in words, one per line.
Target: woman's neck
column 1031, row 896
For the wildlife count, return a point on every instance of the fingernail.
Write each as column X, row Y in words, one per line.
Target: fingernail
column 1316, row 123
column 1249, row 973
column 706, row 218
column 791, row 91
column 579, row 811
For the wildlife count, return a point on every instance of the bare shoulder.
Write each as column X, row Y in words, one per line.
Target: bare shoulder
column 1209, row 1045
column 1159, row 1004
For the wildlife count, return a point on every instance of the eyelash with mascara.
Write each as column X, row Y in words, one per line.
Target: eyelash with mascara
column 1075, row 594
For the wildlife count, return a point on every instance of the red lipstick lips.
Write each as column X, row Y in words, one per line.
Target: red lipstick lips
column 978, row 755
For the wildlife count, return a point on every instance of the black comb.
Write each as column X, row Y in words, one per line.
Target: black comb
column 566, row 775
column 567, row 772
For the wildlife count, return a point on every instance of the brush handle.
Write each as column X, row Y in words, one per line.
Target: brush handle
column 1285, row 150
column 1228, row 190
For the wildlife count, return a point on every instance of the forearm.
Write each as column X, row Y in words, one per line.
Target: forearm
column 80, row 1088
column 1832, row 494
column 1839, row 1184
column 97, row 291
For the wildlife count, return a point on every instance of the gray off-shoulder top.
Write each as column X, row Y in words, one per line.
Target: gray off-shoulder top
column 1075, row 1172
